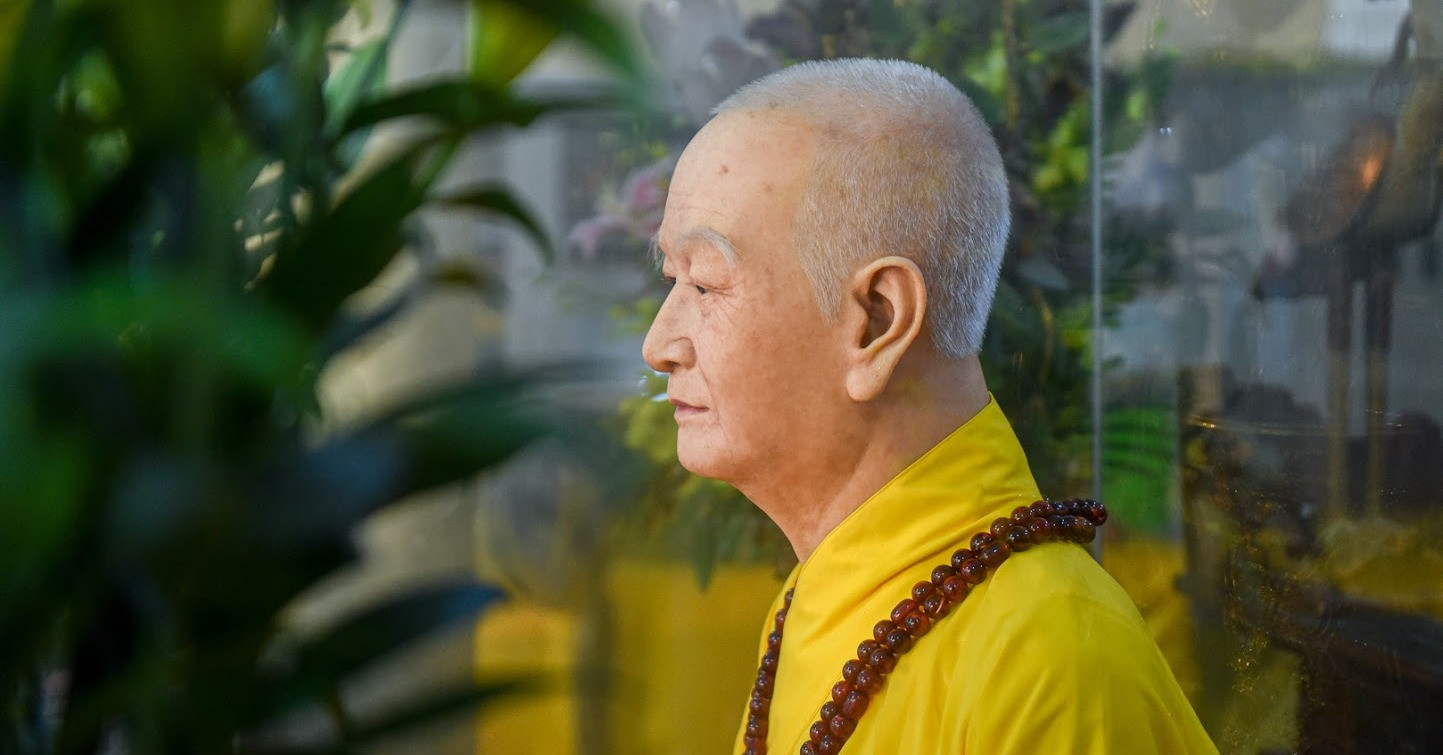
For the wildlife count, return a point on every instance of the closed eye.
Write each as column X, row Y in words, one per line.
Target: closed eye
column 670, row 281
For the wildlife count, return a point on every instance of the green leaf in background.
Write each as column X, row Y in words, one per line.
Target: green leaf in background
column 344, row 250
column 1139, row 465
column 500, row 200
column 505, row 39
column 362, row 77
column 587, row 24
column 439, row 437
column 321, row 664
column 1059, row 33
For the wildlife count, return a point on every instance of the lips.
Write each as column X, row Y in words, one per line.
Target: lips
column 683, row 409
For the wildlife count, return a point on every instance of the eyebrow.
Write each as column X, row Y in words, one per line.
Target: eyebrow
column 703, row 233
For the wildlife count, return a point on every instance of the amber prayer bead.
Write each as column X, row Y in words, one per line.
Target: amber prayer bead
column 1073, row 520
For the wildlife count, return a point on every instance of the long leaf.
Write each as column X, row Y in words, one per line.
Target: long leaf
column 498, row 199
column 324, row 663
column 347, row 248
column 467, row 699
column 466, row 105
column 452, row 437
column 505, row 39
column 592, row 27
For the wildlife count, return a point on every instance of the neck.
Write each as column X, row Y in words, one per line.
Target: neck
column 917, row 412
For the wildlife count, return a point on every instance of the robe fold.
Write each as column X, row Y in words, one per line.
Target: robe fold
column 1048, row 655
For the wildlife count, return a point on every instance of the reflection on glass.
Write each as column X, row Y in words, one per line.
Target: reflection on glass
column 1290, row 167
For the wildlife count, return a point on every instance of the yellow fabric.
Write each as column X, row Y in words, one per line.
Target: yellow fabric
column 1049, row 655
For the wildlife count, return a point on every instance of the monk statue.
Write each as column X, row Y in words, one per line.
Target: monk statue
column 833, row 237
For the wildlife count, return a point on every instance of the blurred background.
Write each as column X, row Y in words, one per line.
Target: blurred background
column 324, row 427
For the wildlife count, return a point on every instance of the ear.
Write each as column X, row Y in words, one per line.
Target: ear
column 884, row 308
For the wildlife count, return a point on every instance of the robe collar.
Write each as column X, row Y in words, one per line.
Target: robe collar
column 871, row 559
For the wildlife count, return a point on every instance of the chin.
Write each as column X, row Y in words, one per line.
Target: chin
column 704, row 462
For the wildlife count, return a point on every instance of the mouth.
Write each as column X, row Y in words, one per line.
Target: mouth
column 683, row 409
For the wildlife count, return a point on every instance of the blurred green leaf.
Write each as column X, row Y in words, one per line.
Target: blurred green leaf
column 323, row 663
column 361, row 77
column 451, row 434
column 505, row 39
column 500, row 200
column 1058, row 33
column 591, row 26
column 336, row 255
column 467, row 699
column 470, row 105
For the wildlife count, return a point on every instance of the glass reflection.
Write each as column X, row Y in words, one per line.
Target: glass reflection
column 1291, row 167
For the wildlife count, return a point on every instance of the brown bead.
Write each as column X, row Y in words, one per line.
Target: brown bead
column 882, row 660
column 1068, row 527
column 815, row 733
column 829, row 745
column 851, row 668
column 774, row 641
column 955, row 588
column 905, row 607
column 1058, row 508
column 788, row 599
column 757, row 726
column 1040, row 530
column 941, row 573
column 973, row 571
column 935, row 606
column 921, row 590
column 769, row 660
column 981, row 540
column 760, row 704
column 1096, row 513
column 808, row 749
column 959, row 556
column 1084, row 530
column 879, row 632
column 898, row 641
column 781, row 619
column 752, row 742
column 916, row 623
column 999, row 527
column 1021, row 514
column 869, row 681
column 1075, row 506
column 754, row 751
column 842, row 727
column 865, row 649
column 995, row 554
column 856, row 704
column 1040, row 509
column 830, row 709
column 840, row 690
column 1017, row 539
column 1059, row 527
column 764, row 684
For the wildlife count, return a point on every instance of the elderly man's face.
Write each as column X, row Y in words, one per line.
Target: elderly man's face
column 755, row 371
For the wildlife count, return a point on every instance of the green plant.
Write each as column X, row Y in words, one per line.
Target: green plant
column 183, row 224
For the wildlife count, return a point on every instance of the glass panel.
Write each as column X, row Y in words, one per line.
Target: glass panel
column 1271, row 433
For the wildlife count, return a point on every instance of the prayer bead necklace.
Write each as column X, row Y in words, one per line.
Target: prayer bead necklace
column 1073, row 520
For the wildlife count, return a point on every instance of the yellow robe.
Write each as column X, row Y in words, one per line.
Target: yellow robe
column 1049, row 655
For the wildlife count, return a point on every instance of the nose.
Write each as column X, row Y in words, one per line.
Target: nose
column 667, row 347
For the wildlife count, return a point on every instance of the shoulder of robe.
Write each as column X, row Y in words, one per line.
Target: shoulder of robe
column 1061, row 661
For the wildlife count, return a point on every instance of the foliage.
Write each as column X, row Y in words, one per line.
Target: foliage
column 183, row 223
column 1026, row 65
